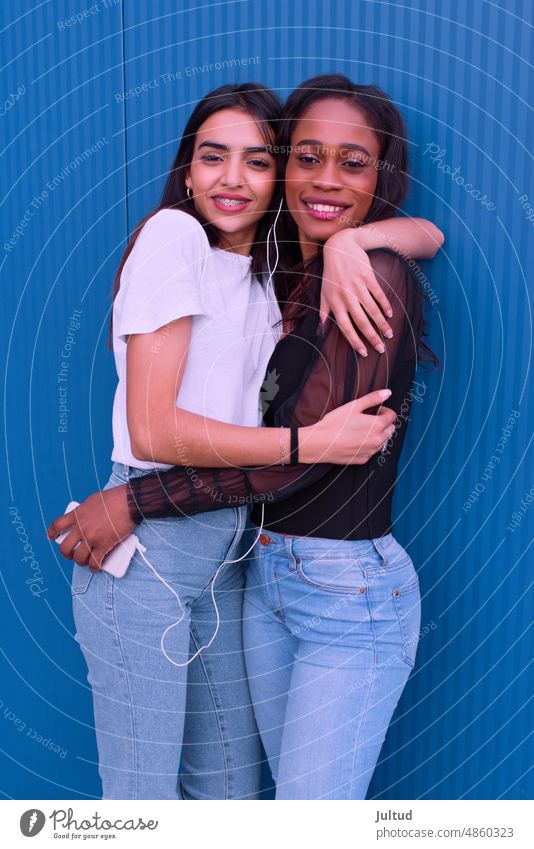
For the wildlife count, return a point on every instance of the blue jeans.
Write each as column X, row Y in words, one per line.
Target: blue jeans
column 330, row 631
column 150, row 716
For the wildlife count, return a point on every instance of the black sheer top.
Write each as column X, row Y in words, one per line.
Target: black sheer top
column 313, row 370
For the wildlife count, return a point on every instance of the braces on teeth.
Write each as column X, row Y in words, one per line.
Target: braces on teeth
column 230, row 202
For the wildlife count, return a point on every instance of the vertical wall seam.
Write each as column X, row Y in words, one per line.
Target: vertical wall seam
column 124, row 122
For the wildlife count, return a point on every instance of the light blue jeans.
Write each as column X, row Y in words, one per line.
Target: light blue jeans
column 150, row 716
column 330, row 631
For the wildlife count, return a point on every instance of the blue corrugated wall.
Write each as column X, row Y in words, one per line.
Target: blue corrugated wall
column 81, row 164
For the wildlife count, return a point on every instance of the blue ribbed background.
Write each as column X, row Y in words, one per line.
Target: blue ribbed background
column 461, row 75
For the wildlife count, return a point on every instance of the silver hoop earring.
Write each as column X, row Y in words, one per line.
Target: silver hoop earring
column 189, row 192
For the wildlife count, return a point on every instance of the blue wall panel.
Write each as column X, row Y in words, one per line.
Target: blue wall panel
column 63, row 173
column 124, row 80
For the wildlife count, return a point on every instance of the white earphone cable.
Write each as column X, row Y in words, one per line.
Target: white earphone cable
column 269, row 285
column 141, row 549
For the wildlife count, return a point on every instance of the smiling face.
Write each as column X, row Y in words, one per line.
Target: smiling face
column 232, row 176
column 332, row 170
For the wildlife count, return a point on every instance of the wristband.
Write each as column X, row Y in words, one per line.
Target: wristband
column 294, row 452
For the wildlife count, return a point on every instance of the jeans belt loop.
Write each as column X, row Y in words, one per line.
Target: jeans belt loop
column 377, row 543
column 289, row 542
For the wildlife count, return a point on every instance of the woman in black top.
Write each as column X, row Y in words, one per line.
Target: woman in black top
column 332, row 602
column 332, row 605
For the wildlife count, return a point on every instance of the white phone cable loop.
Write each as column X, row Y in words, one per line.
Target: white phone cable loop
column 142, row 549
column 269, row 284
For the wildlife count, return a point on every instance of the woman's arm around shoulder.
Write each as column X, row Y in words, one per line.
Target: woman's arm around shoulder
column 350, row 289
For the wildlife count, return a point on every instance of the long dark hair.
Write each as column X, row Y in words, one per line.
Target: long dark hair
column 265, row 106
column 298, row 283
column 392, row 184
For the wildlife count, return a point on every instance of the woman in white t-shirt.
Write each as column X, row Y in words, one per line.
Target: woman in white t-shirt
column 193, row 330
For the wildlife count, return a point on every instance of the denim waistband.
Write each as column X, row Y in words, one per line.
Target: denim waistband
column 126, row 472
column 333, row 548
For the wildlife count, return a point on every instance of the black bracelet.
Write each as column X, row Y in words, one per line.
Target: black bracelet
column 294, row 452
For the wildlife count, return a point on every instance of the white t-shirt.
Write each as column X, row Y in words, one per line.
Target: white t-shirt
column 173, row 272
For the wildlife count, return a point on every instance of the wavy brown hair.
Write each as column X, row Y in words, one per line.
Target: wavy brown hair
column 263, row 105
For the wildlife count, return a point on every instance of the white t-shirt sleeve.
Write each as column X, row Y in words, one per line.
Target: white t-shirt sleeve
column 162, row 278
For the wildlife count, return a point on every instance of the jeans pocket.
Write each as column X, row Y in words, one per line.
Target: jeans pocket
column 407, row 600
column 81, row 578
column 331, row 574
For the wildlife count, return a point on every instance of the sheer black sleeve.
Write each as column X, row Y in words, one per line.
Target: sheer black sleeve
column 335, row 375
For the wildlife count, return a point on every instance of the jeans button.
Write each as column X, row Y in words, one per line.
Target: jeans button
column 265, row 539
